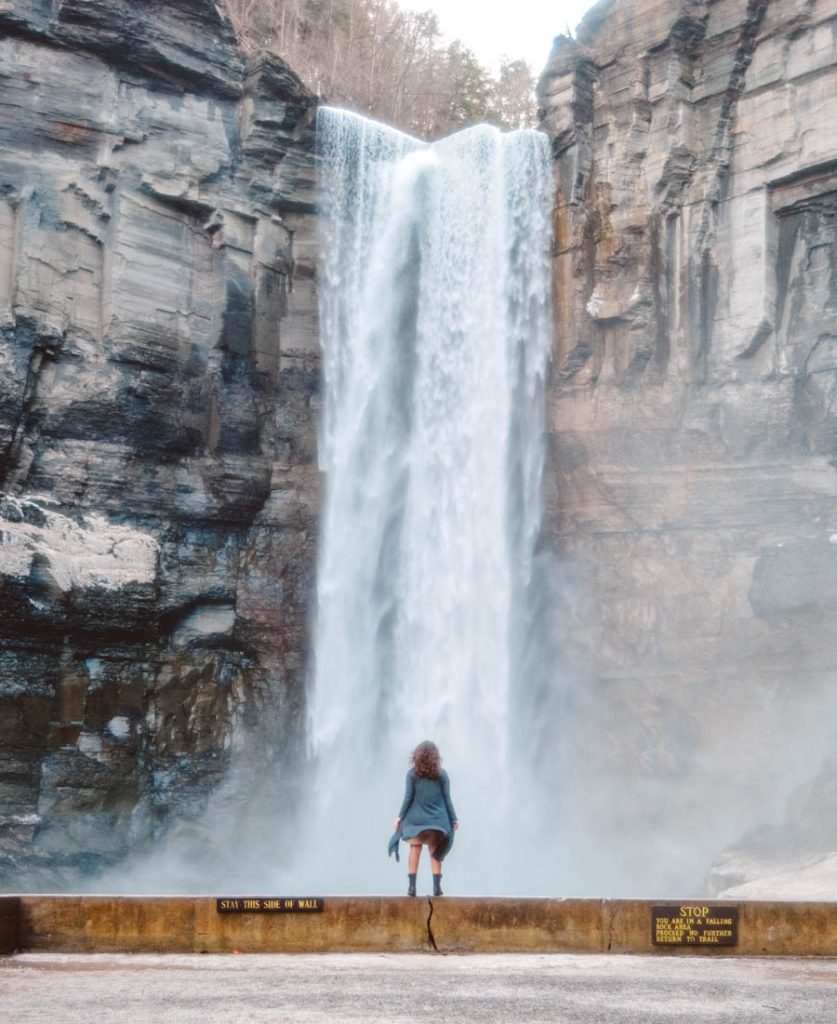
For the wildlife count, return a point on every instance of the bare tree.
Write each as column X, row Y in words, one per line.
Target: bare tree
column 513, row 103
column 384, row 61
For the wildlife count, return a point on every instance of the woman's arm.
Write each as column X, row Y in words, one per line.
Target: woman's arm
column 446, row 794
column 409, row 793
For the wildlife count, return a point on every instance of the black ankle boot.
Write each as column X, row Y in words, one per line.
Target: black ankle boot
column 411, row 885
column 437, row 885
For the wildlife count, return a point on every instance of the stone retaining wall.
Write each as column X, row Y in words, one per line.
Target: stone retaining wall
column 100, row 924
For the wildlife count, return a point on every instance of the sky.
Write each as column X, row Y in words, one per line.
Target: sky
column 491, row 28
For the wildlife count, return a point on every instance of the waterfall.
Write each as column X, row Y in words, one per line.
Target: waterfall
column 436, row 331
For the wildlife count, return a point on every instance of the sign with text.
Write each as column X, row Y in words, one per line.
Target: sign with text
column 269, row 904
column 694, row 925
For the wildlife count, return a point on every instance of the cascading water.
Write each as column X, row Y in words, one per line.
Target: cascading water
column 436, row 330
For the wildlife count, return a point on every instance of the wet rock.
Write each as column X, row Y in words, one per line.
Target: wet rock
column 798, row 579
column 189, row 44
column 158, row 397
column 692, row 420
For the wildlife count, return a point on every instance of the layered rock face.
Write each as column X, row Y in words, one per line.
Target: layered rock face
column 158, row 388
column 691, row 489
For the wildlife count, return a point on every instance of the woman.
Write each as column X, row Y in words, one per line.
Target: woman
column 427, row 817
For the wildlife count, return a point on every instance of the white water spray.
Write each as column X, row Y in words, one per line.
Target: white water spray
column 436, row 328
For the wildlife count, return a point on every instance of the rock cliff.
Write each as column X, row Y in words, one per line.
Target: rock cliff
column 158, row 389
column 692, row 493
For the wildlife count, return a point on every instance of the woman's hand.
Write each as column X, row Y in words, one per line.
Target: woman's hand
column 456, row 826
column 396, row 825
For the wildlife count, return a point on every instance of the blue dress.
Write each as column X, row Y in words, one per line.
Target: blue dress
column 427, row 805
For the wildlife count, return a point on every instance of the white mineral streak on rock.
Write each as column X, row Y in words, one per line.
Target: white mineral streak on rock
column 207, row 620
column 89, row 743
column 84, row 553
column 119, row 727
column 436, row 332
column 24, row 819
column 594, row 304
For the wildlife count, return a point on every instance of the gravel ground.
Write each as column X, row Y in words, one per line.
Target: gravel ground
column 40, row 988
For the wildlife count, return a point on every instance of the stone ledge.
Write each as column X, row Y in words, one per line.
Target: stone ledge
column 156, row 924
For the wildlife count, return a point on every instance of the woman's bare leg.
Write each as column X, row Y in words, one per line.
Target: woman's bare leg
column 413, row 862
column 435, row 865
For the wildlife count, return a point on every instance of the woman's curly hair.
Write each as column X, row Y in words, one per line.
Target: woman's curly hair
column 427, row 761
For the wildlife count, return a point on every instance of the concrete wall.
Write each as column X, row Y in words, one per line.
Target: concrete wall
column 78, row 924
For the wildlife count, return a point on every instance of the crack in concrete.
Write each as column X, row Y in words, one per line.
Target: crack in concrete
column 613, row 913
column 430, row 937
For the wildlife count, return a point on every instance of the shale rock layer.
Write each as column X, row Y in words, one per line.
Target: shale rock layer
column 158, row 387
column 693, row 425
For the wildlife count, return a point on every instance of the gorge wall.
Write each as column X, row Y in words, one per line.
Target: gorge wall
column 158, row 390
column 159, row 377
column 692, row 495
